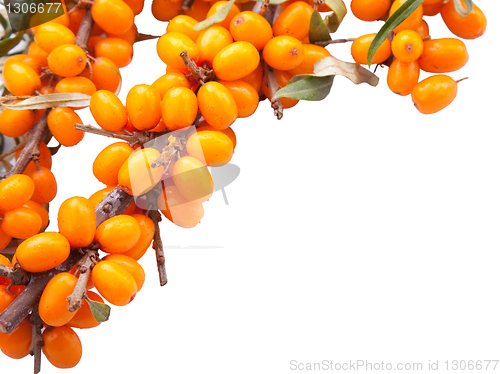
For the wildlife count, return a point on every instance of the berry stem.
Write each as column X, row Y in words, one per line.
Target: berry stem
column 15, row 274
column 36, row 339
column 200, row 74
column 272, row 83
column 158, row 247
column 85, row 266
column 132, row 139
column 186, row 5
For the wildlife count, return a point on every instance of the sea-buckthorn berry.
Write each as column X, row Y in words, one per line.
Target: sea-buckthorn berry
column 118, row 234
column 470, row 27
column 443, row 55
column 51, row 35
column 84, row 319
column 67, row 60
column 147, row 228
column 4, row 242
column 6, row 298
column 136, row 175
column 76, row 220
column 98, row 196
column 232, row 12
column 170, row 80
column 434, row 94
column 76, row 84
column 15, row 191
column 21, row 223
column 61, row 122
column 62, row 347
column 245, row 96
column 199, row 10
column 423, row 30
column 114, row 282
column 45, row 185
column 235, row 61
column 20, row 79
column 217, row 105
column 179, row 108
column 165, row 10
column 283, row 53
column 312, row 54
column 108, row 111
column 254, row 78
column 105, row 74
column 53, row 306
column 75, row 19
column 16, row 123
column 403, row 77
column 113, row 16
column 43, row 252
column 93, row 40
column 193, row 179
column 143, row 107
column 178, row 210
column 42, row 212
column 31, row 61
column 117, row 50
column 45, row 158
column 282, row 77
column 38, row 53
column 413, row 19
column 211, row 147
column 407, row 46
column 431, row 10
column 136, row 5
column 171, row 45
column 184, row 24
column 129, row 36
column 108, row 162
column 131, row 265
column 370, row 10
column 294, row 20
column 211, row 41
column 360, row 47
column 17, row 344
column 251, row 27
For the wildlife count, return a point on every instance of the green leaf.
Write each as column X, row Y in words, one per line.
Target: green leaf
column 219, row 16
column 334, row 19
column 460, row 8
column 318, row 32
column 99, row 310
column 54, row 150
column 394, row 21
column 306, row 87
column 54, row 100
column 7, row 44
column 354, row 72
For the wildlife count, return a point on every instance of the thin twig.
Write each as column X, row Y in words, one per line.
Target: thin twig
column 158, row 247
column 273, row 85
column 336, row 41
column 200, row 74
column 36, row 339
column 132, row 139
column 141, row 37
column 85, row 266
column 264, row 8
column 83, row 35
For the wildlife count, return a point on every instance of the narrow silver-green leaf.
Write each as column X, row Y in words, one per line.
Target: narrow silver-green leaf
column 354, row 72
column 219, row 16
column 394, row 21
column 463, row 12
column 334, row 19
column 306, row 87
column 52, row 101
column 99, row 310
column 318, row 32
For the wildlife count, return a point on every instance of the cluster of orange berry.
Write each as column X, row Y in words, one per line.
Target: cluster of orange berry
column 413, row 49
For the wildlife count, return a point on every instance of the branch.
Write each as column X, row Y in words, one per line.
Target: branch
column 176, row 145
column 15, row 274
column 158, row 247
column 36, row 339
column 272, row 83
column 131, row 138
column 83, row 35
column 336, row 41
column 84, row 267
column 202, row 75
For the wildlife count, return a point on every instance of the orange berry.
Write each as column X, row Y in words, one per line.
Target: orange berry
column 20, row 79
column 443, row 55
column 251, row 27
column 136, row 5
column 470, row 27
column 129, row 36
column 43, row 252
column 413, row 19
column 51, row 35
column 83, row 318
column 254, row 78
column 432, row 9
column 170, row 80
column 370, row 10
column 15, row 191
column 283, row 77
column 143, row 107
column 114, row 282
column 184, row 25
column 131, row 265
column 53, row 306
column 136, row 175
column 283, row 52
column 21, row 223
column 147, row 228
column 108, row 111
column 192, row 179
column 178, row 210
column 235, row 61
column 77, row 221
column 105, row 74
column 179, row 108
column 232, row 12
column 407, row 46
column 31, row 61
column 171, row 45
column 360, row 47
column 109, row 161
column 76, row 84
column 17, row 344
column 67, row 60
column 42, row 212
column 312, row 54
column 423, row 30
column 199, row 10
column 245, row 96
column 75, row 19
column 403, row 77
column 118, row 234
column 45, row 185
column 98, row 196
column 6, row 298
column 294, row 20
column 117, row 50
column 434, row 94
column 4, row 242
column 38, row 53
column 217, row 105
column 15, row 123
column 62, row 347
column 211, row 147
column 211, row 41
column 61, row 122
column 45, row 158
column 113, row 16
column 165, row 10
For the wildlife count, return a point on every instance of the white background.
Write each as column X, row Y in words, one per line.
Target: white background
column 358, row 229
